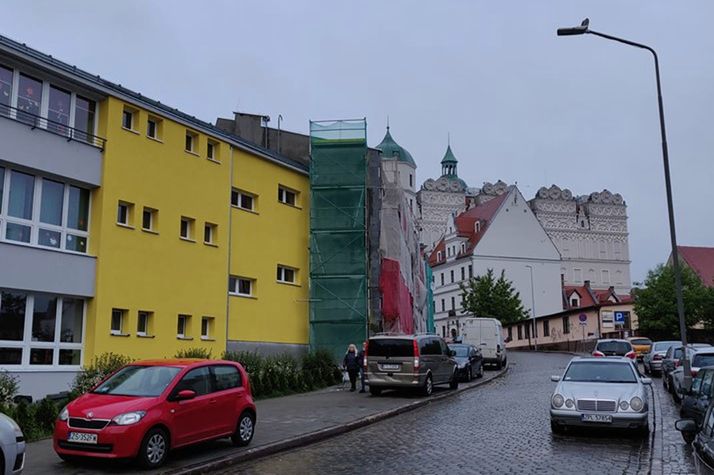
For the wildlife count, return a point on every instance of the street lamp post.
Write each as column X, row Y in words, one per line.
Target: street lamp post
column 533, row 314
column 581, row 30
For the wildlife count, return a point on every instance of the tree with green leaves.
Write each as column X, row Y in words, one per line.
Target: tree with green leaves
column 656, row 302
column 486, row 296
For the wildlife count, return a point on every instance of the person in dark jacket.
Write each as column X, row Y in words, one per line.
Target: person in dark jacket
column 362, row 369
column 351, row 363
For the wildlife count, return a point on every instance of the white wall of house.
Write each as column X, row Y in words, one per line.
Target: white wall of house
column 515, row 243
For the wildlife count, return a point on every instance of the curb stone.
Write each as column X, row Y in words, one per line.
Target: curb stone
column 319, row 435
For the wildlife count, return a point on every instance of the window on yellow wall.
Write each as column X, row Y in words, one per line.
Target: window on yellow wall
column 143, row 323
column 153, row 128
column 117, row 323
column 125, row 212
column 149, row 218
column 212, row 151
column 183, row 328
column 242, row 286
column 210, row 233
column 287, row 196
column 286, row 274
column 128, row 118
column 206, row 328
column 191, row 141
column 243, row 199
column 186, row 230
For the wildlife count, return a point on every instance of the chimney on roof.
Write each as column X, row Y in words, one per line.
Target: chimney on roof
column 562, row 281
column 587, row 284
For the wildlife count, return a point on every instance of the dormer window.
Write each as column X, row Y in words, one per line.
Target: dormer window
column 477, row 226
column 575, row 300
column 438, row 256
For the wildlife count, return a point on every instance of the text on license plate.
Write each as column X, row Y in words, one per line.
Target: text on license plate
column 604, row 418
column 82, row 438
column 390, row 367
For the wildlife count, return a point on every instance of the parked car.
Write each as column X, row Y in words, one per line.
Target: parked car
column 12, row 446
column 641, row 345
column 696, row 401
column 697, row 359
column 469, row 361
column 672, row 360
column 487, row 335
column 147, row 408
column 703, row 440
column 652, row 361
column 600, row 392
column 614, row 347
column 409, row 361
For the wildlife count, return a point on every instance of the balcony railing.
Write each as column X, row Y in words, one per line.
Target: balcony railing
column 51, row 126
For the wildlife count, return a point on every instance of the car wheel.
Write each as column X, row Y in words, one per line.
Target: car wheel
column 428, row 387
column 454, row 383
column 480, row 371
column 643, row 431
column 374, row 391
column 556, row 428
column 245, row 430
column 688, row 437
column 647, row 370
column 154, row 448
column 664, row 381
column 469, row 374
column 675, row 395
column 499, row 365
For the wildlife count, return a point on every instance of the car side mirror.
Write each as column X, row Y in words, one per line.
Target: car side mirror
column 686, row 425
column 555, row 378
column 484, row 344
column 646, row 380
column 185, row 395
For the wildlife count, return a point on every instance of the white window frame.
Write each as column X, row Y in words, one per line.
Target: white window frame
column 128, row 207
column 194, row 141
column 235, row 288
column 186, row 321
column 155, row 121
column 283, row 192
column 209, row 323
column 281, row 274
column 34, row 223
column 26, row 344
column 132, row 114
column 211, row 228
column 190, row 223
column 152, row 221
column 147, row 321
column 122, row 322
column 239, row 194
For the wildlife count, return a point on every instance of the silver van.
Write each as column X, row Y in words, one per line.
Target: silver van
column 409, row 361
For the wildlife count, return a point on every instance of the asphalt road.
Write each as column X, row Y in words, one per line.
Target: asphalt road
column 503, row 427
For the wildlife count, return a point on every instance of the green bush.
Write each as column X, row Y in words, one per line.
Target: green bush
column 201, row 353
column 8, row 387
column 279, row 375
column 102, row 366
column 37, row 419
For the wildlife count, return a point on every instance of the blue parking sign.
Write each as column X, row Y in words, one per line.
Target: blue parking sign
column 620, row 318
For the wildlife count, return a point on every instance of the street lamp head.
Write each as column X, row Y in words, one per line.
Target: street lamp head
column 576, row 30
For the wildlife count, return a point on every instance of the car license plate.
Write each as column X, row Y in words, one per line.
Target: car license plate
column 391, row 367
column 82, row 438
column 602, row 418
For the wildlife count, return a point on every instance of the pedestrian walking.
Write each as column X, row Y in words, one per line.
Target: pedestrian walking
column 351, row 364
column 362, row 369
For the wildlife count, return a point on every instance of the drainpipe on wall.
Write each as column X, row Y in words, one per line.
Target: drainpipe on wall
column 230, row 236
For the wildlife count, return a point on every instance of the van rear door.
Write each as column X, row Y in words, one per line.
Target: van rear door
column 489, row 339
column 390, row 355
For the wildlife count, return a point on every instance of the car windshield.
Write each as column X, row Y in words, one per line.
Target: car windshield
column 599, row 372
column 663, row 346
column 616, row 347
column 641, row 341
column 703, row 360
column 139, row 381
column 677, row 353
column 461, row 351
column 390, row 347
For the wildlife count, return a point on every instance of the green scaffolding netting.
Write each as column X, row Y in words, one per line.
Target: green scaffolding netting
column 338, row 249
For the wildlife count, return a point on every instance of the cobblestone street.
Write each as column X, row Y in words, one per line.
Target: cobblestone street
column 500, row 428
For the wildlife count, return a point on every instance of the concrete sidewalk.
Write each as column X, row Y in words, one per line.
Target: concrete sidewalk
column 283, row 423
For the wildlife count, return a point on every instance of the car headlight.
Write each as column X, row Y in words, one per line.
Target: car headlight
column 128, row 418
column 636, row 404
column 569, row 403
column 64, row 414
column 624, row 405
column 558, row 400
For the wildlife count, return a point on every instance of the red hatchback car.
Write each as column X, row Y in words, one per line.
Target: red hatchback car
column 147, row 408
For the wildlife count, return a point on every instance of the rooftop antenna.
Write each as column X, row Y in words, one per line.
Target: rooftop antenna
column 387, row 122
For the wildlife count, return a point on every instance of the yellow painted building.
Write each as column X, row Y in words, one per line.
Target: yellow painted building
column 131, row 227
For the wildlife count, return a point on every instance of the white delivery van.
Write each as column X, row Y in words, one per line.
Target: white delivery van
column 485, row 333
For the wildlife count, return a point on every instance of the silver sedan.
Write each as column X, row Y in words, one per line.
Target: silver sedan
column 12, row 446
column 600, row 392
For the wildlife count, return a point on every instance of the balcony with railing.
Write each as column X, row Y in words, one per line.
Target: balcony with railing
column 41, row 144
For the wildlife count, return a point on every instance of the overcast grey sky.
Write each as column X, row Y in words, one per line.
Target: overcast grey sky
column 520, row 104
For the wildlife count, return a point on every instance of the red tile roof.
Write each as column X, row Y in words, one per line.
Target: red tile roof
column 466, row 227
column 586, row 299
column 700, row 260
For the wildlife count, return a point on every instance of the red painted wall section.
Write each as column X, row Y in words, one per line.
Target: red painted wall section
column 397, row 302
